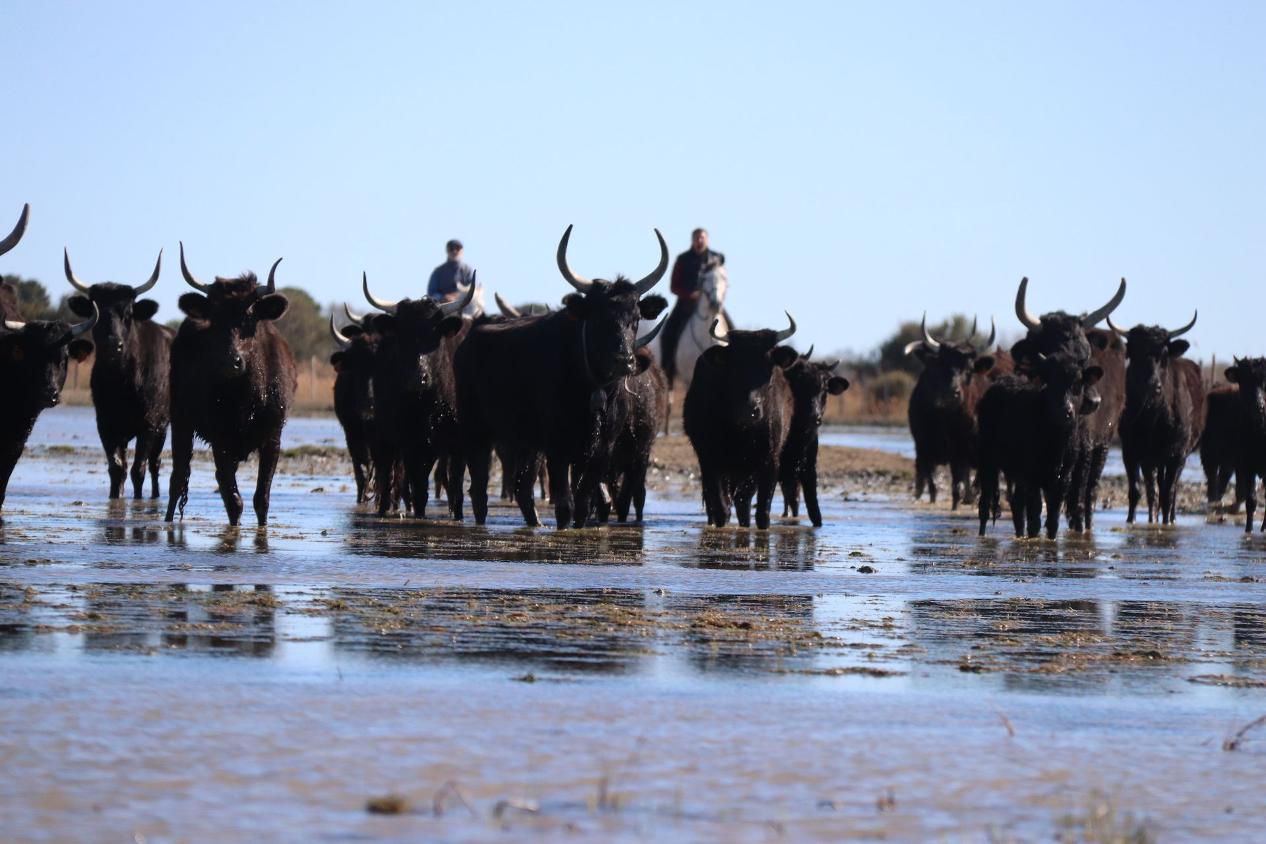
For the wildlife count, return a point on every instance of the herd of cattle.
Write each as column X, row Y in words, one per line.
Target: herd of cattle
column 574, row 399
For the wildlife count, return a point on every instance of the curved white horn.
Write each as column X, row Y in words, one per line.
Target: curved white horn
column 14, row 325
column 928, row 339
column 1180, row 332
column 911, row 346
column 70, row 274
column 342, row 341
column 506, row 308
column 1021, row 311
column 86, row 326
column 184, row 271
column 577, row 281
column 354, row 319
column 380, row 304
column 1094, row 317
column 18, row 230
column 788, row 331
column 153, row 277
column 458, row 305
column 645, row 339
column 651, row 280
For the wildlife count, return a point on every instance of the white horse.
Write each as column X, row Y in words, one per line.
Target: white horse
column 696, row 336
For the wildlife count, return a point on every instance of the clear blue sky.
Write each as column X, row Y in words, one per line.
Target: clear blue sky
column 857, row 163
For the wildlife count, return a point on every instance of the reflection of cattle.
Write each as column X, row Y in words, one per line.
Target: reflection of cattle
column 540, row 385
column 233, row 379
column 415, row 392
column 130, row 375
column 9, row 309
column 736, row 414
column 810, row 384
column 33, row 358
column 1164, row 414
column 1217, row 444
column 1075, row 339
column 635, row 412
column 1250, row 432
column 354, row 394
column 1031, row 430
column 942, row 409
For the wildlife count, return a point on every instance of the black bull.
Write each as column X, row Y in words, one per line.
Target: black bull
column 1073, row 338
column 130, row 375
column 540, row 386
column 233, row 380
column 354, row 394
column 1163, row 417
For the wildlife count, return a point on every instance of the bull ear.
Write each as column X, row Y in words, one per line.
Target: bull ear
column 714, row 356
column 79, row 348
column 271, row 306
column 1098, row 339
column 144, row 309
column 784, row 356
column 449, row 326
column 922, row 352
column 384, row 323
column 575, row 306
column 1177, row 348
column 336, row 360
column 1232, row 374
column 1091, row 375
column 836, row 385
column 194, row 305
column 1021, row 350
column 652, row 306
column 983, row 364
column 79, row 305
column 349, row 331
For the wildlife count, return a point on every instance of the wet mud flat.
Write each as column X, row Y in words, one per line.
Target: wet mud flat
column 889, row 676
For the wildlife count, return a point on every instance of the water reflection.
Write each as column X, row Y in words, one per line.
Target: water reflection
column 622, row 545
column 788, row 549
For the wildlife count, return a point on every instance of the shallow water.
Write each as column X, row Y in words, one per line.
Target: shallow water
column 890, row 675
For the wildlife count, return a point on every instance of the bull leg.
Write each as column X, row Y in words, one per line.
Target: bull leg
column 960, row 478
column 269, row 453
column 602, row 501
column 441, row 475
column 1174, row 485
column 1132, row 479
column 478, row 461
column 765, row 484
column 524, row 483
column 156, row 460
column 1166, row 491
column 639, row 496
column 790, row 494
column 987, row 477
column 456, row 468
column 712, row 498
column 543, row 475
column 1098, row 457
column 1074, row 503
column 1246, row 491
column 358, row 451
column 509, row 479
column 925, row 475
column 1149, row 483
column 1018, row 497
column 1034, row 510
column 226, row 477
column 632, row 490
column 809, row 480
column 116, row 466
column 743, row 493
column 9, row 454
column 560, row 488
column 137, row 474
column 181, row 455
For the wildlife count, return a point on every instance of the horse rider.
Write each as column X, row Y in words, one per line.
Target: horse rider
column 685, row 284
column 452, row 277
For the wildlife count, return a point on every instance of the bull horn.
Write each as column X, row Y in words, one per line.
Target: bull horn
column 153, row 277
column 579, row 282
column 809, row 353
column 786, row 332
column 1115, row 330
column 651, row 280
column 1095, row 317
column 14, row 325
column 972, row 333
column 271, row 287
column 1180, row 332
column 70, row 274
column 506, row 308
column 354, row 319
column 712, row 332
column 18, row 230
column 1021, row 311
column 993, row 334
column 380, row 304
column 928, row 339
column 911, row 346
column 184, row 271
column 645, row 339
column 342, row 341
column 85, row 326
column 458, row 305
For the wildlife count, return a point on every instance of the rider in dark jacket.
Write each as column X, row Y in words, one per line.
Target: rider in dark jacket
column 685, row 284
